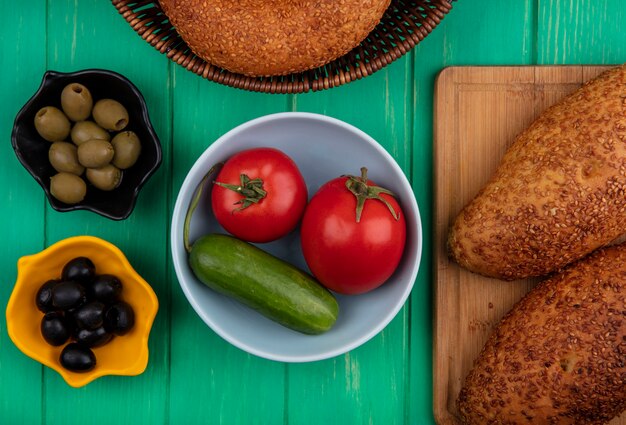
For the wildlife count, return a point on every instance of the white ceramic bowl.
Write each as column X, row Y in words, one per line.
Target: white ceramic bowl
column 323, row 148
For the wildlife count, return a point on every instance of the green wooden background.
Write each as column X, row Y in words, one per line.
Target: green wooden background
column 193, row 375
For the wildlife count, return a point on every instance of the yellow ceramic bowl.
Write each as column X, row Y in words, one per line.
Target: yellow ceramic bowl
column 124, row 355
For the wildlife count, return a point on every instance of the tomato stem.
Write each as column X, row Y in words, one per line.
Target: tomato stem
column 362, row 191
column 251, row 190
column 193, row 204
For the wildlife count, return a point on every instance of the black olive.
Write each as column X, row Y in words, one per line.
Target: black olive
column 90, row 315
column 67, row 295
column 106, row 288
column 80, row 269
column 119, row 318
column 54, row 328
column 71, row 312
column 77, row 358
column 43, row 299
column 93, row 337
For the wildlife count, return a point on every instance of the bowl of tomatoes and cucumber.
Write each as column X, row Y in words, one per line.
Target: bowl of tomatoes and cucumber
column 296, row 237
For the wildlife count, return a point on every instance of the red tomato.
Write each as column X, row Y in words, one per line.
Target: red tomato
column 347, row 255
column 259, row 195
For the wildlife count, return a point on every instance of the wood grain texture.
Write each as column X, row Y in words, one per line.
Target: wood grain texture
column 580, row 31
column 23, row 202
column 368, row 384
column 466, row 39
column 97, row 40
column 211, row 380
column 193, row 375
column 478, row 113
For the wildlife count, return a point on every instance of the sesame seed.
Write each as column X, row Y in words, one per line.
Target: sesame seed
column 564, row 344
column 558, row 193
column 258, row 38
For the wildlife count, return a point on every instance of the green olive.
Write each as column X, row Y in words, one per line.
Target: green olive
column 68, row 188
column 76, row 102
column 105, row 178
column 63, row 157
column 110, row 114
column 52, row 124
column 88, row 130
column 95, row 153
column 127, row 149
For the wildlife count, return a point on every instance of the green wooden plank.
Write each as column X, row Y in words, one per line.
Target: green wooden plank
column 476, row 32
column 212, row 381
column 368, row 384
column 581, row 32
column 381, row 381
column 91, row 34
column 22, row 214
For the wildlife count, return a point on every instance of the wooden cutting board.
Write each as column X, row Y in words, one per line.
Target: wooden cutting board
column 478, row 113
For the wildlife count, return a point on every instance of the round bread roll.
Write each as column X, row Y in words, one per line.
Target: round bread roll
column 272, row 37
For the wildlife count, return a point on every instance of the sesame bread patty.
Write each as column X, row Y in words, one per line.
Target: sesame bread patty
column 558, row 193
column 272, row 37
column 559, row 356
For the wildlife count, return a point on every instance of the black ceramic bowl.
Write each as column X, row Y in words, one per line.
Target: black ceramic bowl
column 32, row 150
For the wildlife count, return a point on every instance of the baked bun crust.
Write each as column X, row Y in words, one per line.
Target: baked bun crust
column 272, row 37
column 558, row 193
column 559, row 356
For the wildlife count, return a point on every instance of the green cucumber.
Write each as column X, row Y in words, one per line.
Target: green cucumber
column 263, row 282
